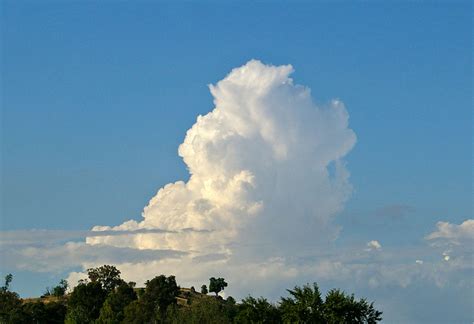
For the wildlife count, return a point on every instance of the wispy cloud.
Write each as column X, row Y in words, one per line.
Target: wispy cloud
column 60, row 257
column 41, row 237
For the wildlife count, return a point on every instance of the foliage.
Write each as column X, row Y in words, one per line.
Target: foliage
column 8, row 280
column 107, row 299
column 160, row 292
column 135, row 313
column 341, row 308
column 152, row 306
column 10, row 302
column 56, row 312
column 113, row 309
column 13, row 311
column 216, row 285
column 304, row 305
column 107, row 275
column 85, row 302
column 204, row 310
column 35, row 312
column 57, row 291
column 259, row 310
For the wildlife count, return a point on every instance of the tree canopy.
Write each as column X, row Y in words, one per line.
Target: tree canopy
column 216, row 285
column 106, row 299
column 108, row 276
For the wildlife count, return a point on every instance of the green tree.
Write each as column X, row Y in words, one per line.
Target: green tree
column 303, row 306
column 257, row 311
column 10, row 303
column 35, row 312
column 341, row 308
column 230, row 308
column 108, row 276
column 85, row 303
column 135, row 313
column 59, row 290
column 202, row 310
column 159, row 294
column 204, row 290
column 217, row 285
column 55, row 312
column 8, row 280
column 113, row 309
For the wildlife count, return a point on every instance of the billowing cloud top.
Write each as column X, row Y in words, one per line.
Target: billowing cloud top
column 266, row 178
column 265, row 165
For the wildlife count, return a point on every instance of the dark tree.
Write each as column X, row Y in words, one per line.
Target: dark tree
column 113, row 309
column 35, row 312
column 107, row 299
column 202, row 310
column 57, row 291
column 8, row 280
column 108, row 276
column 159, row 294
column 39, row 313
column 341, row 308
column 135, row 313
column 10, row 303
column 259, row 310
column 55, row 312
column 85, row 302
column 303, row 306
column 306, row 306
column 217, row 285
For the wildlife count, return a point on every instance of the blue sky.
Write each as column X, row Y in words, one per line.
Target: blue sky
column 97, row 97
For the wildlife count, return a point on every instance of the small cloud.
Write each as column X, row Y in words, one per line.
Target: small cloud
column 419, row 261
column 373, row 246
column 446, row 255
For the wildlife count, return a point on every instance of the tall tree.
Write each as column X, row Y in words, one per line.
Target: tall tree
column 160, row 292
column 202, row 311
column 216, row 285
column 342, row 308
column 59, row 290
column 107, row 275
column 8, row 280
column 85, row 302
column 10, row 303
column 303, row 306
column 112, row 311
column 257, row 311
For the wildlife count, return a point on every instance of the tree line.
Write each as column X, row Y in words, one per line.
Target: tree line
column 105, row 298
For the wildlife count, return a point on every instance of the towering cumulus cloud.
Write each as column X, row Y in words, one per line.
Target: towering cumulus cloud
column 266, row 171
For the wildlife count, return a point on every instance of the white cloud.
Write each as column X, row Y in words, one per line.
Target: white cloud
column 452, row 233
column 373, row 245
column 261, row 197
column 267, row 177
column 261, row 171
